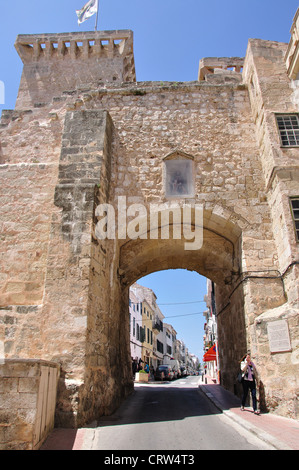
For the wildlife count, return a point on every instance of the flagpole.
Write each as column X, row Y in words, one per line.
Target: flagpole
column 96, row 25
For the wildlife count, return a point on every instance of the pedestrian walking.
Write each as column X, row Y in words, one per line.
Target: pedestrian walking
column 134, row 367
column 249, row 377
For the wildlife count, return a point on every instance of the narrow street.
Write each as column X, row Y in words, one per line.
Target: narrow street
column 170, row 416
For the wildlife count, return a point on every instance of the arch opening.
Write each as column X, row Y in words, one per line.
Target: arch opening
column 218, row 260
column 116, row 265
column 167, row 322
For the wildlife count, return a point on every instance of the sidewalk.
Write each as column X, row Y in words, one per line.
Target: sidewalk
column 281, row 433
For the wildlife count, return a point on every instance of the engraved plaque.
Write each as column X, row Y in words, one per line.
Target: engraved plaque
column 279, row 338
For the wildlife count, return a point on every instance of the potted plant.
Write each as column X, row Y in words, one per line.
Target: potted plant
column 141, row 376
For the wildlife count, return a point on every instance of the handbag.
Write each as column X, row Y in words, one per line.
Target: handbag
column 240, row 377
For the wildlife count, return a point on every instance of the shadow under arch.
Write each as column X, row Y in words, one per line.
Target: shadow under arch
column 218, row 257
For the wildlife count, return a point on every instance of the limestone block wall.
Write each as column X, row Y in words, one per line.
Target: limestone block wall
column 27, row 403
column 271, row 92
column 292, row 54
column 212, row 123
column 64, row 292
column 56, row 63
column 84, row 176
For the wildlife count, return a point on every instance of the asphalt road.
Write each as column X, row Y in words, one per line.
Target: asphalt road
column 170, row 416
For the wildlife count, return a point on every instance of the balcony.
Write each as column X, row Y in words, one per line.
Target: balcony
column 157, row 326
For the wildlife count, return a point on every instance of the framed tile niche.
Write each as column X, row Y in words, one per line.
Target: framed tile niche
column 178, row 175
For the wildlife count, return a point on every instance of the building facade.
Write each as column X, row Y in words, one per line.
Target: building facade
column 169, row 334
column 210, row 337
column 159, row 346
column 136, row 326
column 152, row 340
column 157, row 342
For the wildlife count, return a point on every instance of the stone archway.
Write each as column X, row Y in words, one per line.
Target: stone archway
column 64, row 292
column 83, row 318
column 218, row 257
column 107, row 372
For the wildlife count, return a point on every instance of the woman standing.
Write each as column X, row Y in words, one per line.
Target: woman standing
column 249, row 376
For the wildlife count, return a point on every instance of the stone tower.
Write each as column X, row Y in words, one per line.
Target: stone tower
column 54, row 63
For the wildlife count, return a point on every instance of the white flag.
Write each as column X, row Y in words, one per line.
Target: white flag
column 87, row 11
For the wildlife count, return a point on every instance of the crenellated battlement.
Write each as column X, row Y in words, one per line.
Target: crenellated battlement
column 54, row 63
column 74, row 45
column 210, row 66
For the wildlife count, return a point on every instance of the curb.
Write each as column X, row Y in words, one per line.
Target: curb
column 88, row 437
column 258, row 432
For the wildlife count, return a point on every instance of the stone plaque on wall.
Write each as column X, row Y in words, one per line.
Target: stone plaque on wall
column 279, row 338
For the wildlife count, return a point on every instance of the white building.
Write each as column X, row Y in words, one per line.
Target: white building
column 194, row 361
column 210, row 358
column 169, row 339
column 135, row 309
column 158, row 338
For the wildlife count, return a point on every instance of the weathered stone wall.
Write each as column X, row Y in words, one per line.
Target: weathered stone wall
column 56, row 63
column 27, row 403
column 270, row 92
column 88, row 147
column 84, row 172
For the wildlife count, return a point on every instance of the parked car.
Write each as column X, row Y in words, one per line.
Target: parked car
column 164, row 372
column 175, row 366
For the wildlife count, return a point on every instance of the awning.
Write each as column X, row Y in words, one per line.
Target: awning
column 210, row 355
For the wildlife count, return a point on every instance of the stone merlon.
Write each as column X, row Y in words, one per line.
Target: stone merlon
column 54, row 63
column 208, row 65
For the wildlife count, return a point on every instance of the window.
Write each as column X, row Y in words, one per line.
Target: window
column 142, row 334
column 160, row 347
column 295, row 213
column 288, row 125
column 138, row 333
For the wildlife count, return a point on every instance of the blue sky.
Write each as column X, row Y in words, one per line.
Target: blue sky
column 170, row 37
column 182, row 291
